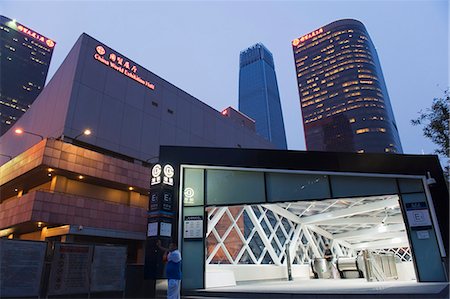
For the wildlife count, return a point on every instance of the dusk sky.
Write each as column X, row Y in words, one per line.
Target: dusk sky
column 196, row 45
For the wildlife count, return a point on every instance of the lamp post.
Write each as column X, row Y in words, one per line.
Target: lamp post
column 86, row 132
column 20, row 131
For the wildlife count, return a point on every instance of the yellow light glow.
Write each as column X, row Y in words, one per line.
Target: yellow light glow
column 39, row 224
column 50, row 169
column 81, row 177
column 130, row 188
column 18, row 131
column 87, row 132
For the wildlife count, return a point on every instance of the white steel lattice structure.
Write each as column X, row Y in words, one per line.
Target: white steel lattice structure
column 402, row 253
column 260, row 234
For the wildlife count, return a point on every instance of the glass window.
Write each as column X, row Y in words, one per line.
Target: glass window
column 343, row 186
column 193, row 189
column 293, row 187
column 234, row 187
column 410, row 185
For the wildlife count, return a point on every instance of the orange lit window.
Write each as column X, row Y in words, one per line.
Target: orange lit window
column 361, row 131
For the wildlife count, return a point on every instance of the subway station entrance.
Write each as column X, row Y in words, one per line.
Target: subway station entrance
column 287, row 241
column 243, row 222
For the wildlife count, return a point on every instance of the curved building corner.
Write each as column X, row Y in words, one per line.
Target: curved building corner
column 344, row 100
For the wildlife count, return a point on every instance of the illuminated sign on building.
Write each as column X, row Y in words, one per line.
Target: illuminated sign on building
column 305, row 37
column 189, row 195
column 121, row 65
column 36, row 36
column 168, row 175
column 156, row 174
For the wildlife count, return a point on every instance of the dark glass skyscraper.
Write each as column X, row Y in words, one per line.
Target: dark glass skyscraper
column 258, row 93
column 24, row 60
column 344, row 101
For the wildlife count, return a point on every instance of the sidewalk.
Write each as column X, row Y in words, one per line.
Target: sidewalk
column 328, row 289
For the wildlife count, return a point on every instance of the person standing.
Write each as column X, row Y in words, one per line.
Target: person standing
column 173, row 270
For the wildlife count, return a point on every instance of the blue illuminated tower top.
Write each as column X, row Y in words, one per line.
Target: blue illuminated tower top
column 258, row 93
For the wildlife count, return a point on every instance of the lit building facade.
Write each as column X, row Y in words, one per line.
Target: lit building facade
column 25, row 57
column 344, row 101
column 259, row 97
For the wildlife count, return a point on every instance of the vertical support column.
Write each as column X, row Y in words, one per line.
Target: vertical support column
column 423, row 239
column 193, row 227
column 294, row 241
column 161, row 223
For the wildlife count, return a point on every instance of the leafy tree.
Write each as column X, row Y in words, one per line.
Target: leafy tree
column 435, row 122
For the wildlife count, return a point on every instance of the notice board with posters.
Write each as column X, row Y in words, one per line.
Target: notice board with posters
column 70, row 269
column 108, row 268
column 21, row 268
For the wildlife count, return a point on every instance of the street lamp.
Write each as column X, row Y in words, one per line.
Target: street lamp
column 86, row 132
column 20, row 131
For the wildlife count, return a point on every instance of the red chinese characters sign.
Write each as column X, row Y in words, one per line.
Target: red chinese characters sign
column 121, row 65
column 36, row 36
column 305, row 37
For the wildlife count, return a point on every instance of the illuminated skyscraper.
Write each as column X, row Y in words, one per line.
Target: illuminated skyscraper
column 258, row 94
column 24, row 60
column 344, row 101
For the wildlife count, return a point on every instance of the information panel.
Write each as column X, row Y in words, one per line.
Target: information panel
column 70, row 269
column 21, row 267
column 108, row 268
column 193, row 227
column 418, row 215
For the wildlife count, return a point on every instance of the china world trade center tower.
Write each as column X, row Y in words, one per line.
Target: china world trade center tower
column 259, row 97
column 344, row 101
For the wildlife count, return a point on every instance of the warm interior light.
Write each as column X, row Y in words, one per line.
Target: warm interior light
column 18, row 131
column 49, row 174
column 81, row 177
column 50, row 169
column 87, row 132
column 130, row 188
column 39, row 224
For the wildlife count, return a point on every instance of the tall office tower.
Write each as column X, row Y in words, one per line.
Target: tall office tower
column 24, row 60
column 258, row 93
column 344, row 101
